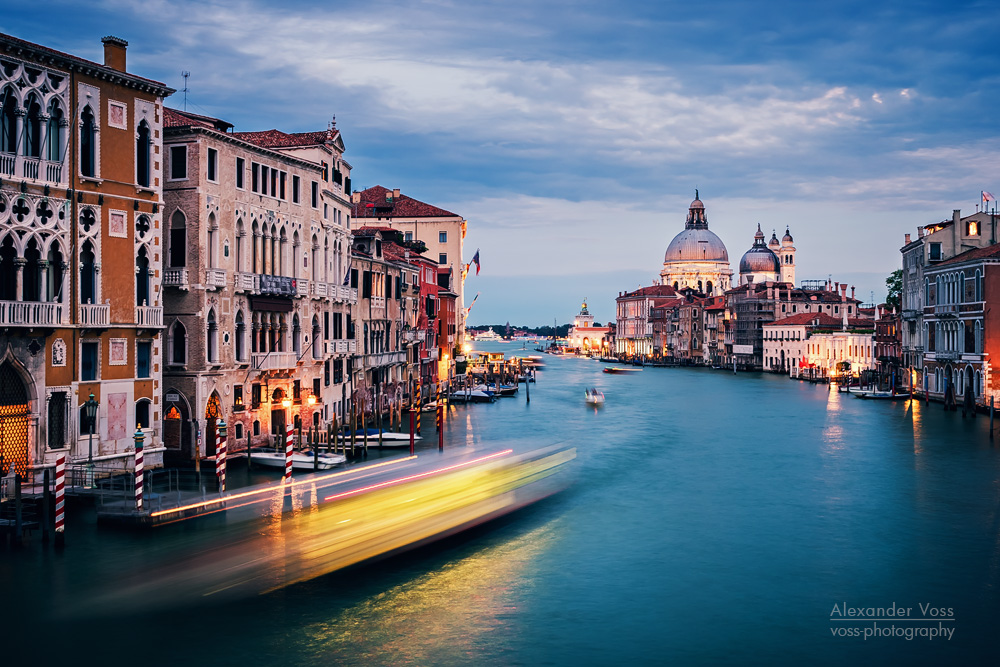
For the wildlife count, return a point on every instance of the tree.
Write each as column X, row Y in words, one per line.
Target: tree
column 894, row 287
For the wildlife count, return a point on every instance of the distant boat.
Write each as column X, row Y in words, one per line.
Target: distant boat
column 489, row 334
column 301, row 460
column 615, row 369
column 594, row 397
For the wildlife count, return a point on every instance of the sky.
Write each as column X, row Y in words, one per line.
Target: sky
column 572, row 135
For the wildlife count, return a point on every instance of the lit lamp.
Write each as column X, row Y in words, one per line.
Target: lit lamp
column 311, row 400
column 90, row 411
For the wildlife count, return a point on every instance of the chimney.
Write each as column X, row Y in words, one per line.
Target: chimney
column 852, row 291
column 907, row 239
column 836, row 287
column 355, row 197
column 395, row 193
column 920, row 232
column 114, row 52
column 956, row 215
column 843, row 292
column 956, row 221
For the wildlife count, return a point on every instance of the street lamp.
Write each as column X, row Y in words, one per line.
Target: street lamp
column 90, row 411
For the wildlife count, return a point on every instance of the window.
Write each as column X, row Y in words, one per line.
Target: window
column 178, row 343
column 142, row 275
column 88, row 142
column 315, row 194
column 443, row 258
column 297, row 391
column 213, row 160
column 142, row 413
column 241, row 167
column 57, row 419
column 295, row 189
column 89, row 360
column 284, row 179
column 143, row 155
column 178, row 163
column 442, row 237
column 238, row 430
column 178, row 239
column 407, row 236
column 237, row 397
column 255, row 394
column 254, row 177
column 88, row 274
column 934, row 252
column 143, row 360
column 326, row 211
column 212, row 339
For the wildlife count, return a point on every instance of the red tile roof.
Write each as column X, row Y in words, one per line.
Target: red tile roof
column 373, row 204
column 651, row 291
column 822, row 320
column 989, row 251
column 279, row 139
column 175, row 118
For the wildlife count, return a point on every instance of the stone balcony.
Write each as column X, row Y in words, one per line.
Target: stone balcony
column 215, row 278
column 245, row 282
column 270, row 361
column 33, row 168
column 30, row 313
column 175, row 278
column 321, row 290
column 149, row 317
column 95, row 315
column 414, row 335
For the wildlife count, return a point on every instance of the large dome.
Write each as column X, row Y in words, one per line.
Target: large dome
column 696, row 245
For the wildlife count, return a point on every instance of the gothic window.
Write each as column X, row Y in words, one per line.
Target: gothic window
column 316, row 351
column 142, row 413
column 142, row 155
column 178, row 239
column 54, row 139
column 240, row 233
column 213, row 240
column 142, row 274
column 241, row 332
column 8, row 122
column 33, row 129
column 32, row 276
column 296, row 336
column 88, row 143
column 212, row 341
column 88, row 274
column 178, row 343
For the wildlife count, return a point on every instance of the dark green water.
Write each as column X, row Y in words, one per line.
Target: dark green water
column 714, row 519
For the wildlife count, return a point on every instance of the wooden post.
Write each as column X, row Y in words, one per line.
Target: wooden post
column 991, row 417
column 527, row 391
column 354, row 427
column 315, row 448
column 18, row 511
column 411, row 432
column 60, row 501
column 46, row 504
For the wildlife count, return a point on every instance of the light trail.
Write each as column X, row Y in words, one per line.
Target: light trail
column 268, row 489
column 400, row 480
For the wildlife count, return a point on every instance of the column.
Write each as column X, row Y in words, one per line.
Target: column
column 43, row 283
column 19, row 264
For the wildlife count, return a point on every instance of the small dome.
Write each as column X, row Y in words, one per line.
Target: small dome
column 760, row 258
column 787, row 238
column 773, row 244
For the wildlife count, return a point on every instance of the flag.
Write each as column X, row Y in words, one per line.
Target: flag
column 347, row 277
column 988, row 196
column 475, row 258
column 473, row 302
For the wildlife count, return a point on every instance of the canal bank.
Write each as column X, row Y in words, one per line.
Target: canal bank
column 715, row 518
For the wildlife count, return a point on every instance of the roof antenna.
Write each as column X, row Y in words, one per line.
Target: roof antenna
column 185, row 74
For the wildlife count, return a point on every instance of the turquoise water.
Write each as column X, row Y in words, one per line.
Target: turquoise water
column 715, row 518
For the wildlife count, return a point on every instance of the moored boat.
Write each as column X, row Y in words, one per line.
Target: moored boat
column 373, row 434
column 616, row 369
column 301, row 460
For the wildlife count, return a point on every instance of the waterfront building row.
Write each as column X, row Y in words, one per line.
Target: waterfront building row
column 171, row 272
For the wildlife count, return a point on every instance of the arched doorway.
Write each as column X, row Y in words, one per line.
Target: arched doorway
column 278, row 416
column 213, row 413
column 177, row 428
column 15, row 415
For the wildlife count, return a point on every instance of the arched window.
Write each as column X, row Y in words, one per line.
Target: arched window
column 979, row 285
column 241, row 333
column 296, row 336
column 53, row 134
column 213, row 240
column 295, row 254
column 315, row 258
column 54, row 274
column 273, row 257
column 283, row 254
column 142, row 157
column 240, row 233
column 142, row 416
column 88, row 274
column 88, row 143
column 32, row 273
column 142, row 278
column 8, row 270
column 961, row 288
column 256, row 249
column 212, row 339
column 317, row 351
column 33, row 129
column 178, row 343
column 8, row 122
column 708, row 287
column 178, row 239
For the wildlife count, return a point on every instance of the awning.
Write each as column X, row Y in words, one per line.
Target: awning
column 271, row 304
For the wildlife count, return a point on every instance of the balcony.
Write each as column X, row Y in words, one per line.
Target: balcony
column 149, row 317
column 95, row 315
column 321, row 290
column 414, row 335
column 32, row 168
column 302, row 287
column 30, row 313
column 384, row 359
column 271, row 361
column 344, row 346
column 349, row 294
column 245, row 282
column 7, row 164
column 215, row 278
column 175, row 278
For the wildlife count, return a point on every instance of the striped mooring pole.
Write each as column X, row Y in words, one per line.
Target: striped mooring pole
column 60, row 496
column 220, row 454
column 289, row 434
column 440, row 419
column 139, row 437
column 419, row 401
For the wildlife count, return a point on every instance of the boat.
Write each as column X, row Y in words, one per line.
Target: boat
column 489, row 334
column 594, row 397
column 301, row 460
column 618, row 369
column 373, row 434
column 878, row 394
column 472, row 396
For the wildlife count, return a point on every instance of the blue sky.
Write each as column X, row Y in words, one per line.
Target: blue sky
column 572, row 135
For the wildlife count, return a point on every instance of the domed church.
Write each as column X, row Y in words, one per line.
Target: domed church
column 774, row 261
column 697, row 258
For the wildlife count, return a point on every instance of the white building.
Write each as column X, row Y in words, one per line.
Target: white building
column 696, row 257
column 813, row 344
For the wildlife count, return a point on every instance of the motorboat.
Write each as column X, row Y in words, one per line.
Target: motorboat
column 878, row 394
column 594, row 397
column 373, row 435
column 619, row 369
column 303, row 459
column 488, row 335
column 472, row 396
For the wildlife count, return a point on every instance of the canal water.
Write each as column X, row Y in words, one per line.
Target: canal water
column 715, row 518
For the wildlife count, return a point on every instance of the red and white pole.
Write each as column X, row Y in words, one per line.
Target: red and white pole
column 60, row 494
column 220, row 459
column 139, row 438
column 289, row 431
